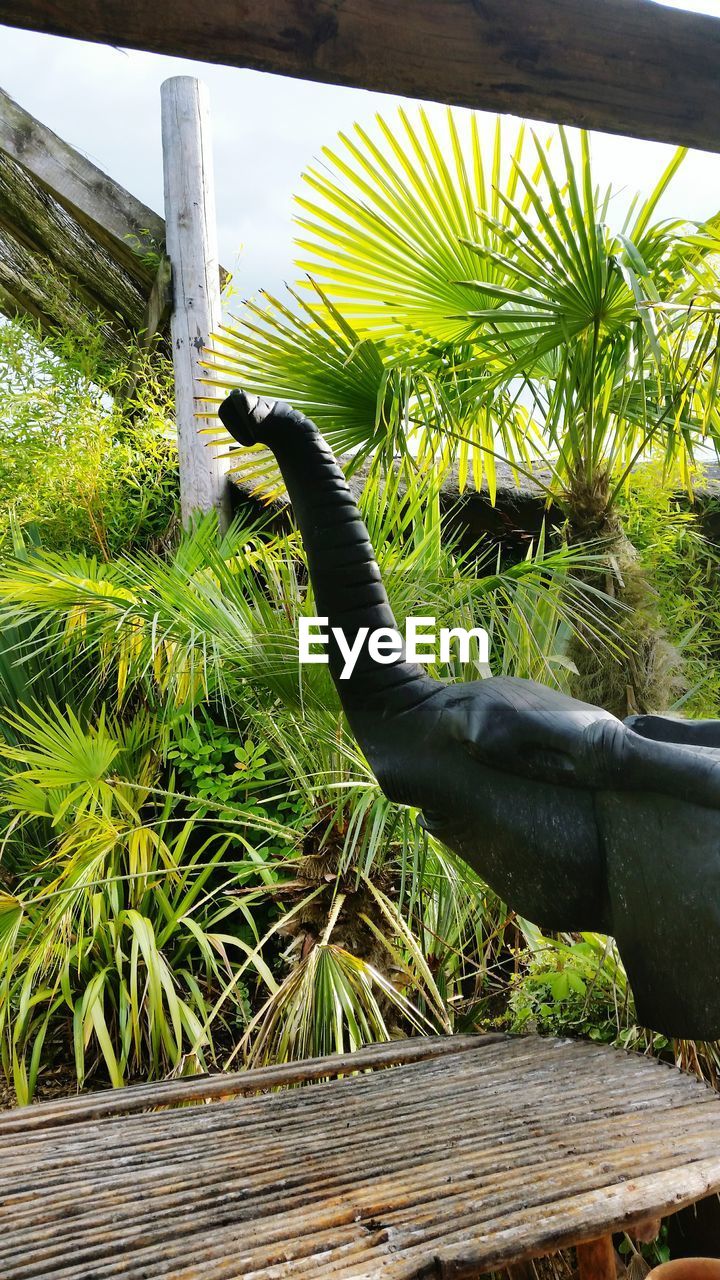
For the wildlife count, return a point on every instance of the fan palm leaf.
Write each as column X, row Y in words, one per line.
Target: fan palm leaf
column 383, row 223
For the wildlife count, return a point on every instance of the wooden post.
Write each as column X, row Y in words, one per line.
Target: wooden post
column 191, row 242
column 596, row 1260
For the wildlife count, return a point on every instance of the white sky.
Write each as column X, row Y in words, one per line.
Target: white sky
column 266, row 130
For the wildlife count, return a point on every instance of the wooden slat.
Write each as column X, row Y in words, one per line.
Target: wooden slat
column 159, row 303
column 445, row 1166
column 54, row 270
column 76, row 249
column 626, row 66
column 204, row 1088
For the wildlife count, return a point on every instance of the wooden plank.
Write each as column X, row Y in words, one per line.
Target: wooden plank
column 204, row 1088
column 448, row 1167
column 116, row 217
column 125, row 226
column 191, row 242
column 625, row 66
column 596, row 1260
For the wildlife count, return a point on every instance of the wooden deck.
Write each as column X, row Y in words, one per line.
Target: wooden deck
column 473, row 1153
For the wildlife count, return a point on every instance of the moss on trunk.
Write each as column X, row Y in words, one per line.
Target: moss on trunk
column 647, row 676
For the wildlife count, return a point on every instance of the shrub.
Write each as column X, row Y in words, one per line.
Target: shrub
column 89, row 457
column 116, row 940
column 252, row 754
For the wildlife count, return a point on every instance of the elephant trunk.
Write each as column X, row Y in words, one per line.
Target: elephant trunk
column 346, row 581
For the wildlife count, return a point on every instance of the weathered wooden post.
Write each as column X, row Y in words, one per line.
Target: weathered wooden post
column 596, row 1259
column 191, row 240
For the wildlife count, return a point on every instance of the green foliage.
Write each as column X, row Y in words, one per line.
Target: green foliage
column 384, row 225
column 579, row 313
column 465, row 303
column 196, row 861
column 116, row 933
column 193, row 723
column 378, row 354
column 573, row 986
column 637, row 1257
column 88, row 458
column 214, row 764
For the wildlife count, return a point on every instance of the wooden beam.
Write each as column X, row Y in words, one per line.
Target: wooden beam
column 116, row 218
column 624, row 66
column 155, row 323
column 191, row 240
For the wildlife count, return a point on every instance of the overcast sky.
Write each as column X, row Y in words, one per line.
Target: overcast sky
column 266, row 131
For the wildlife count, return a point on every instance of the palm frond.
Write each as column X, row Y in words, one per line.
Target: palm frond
column 383, row 223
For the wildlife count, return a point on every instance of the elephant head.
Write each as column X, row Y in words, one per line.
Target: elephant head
column 579, row 821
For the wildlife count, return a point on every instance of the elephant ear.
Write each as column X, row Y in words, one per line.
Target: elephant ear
column 517, row 727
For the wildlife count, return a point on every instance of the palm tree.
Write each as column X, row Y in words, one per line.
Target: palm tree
column 597, row 326
column 457, row 313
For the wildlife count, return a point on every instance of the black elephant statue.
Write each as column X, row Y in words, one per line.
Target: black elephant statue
column 579, row 821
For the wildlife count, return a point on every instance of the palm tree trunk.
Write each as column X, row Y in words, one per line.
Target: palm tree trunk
column 646, row 677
